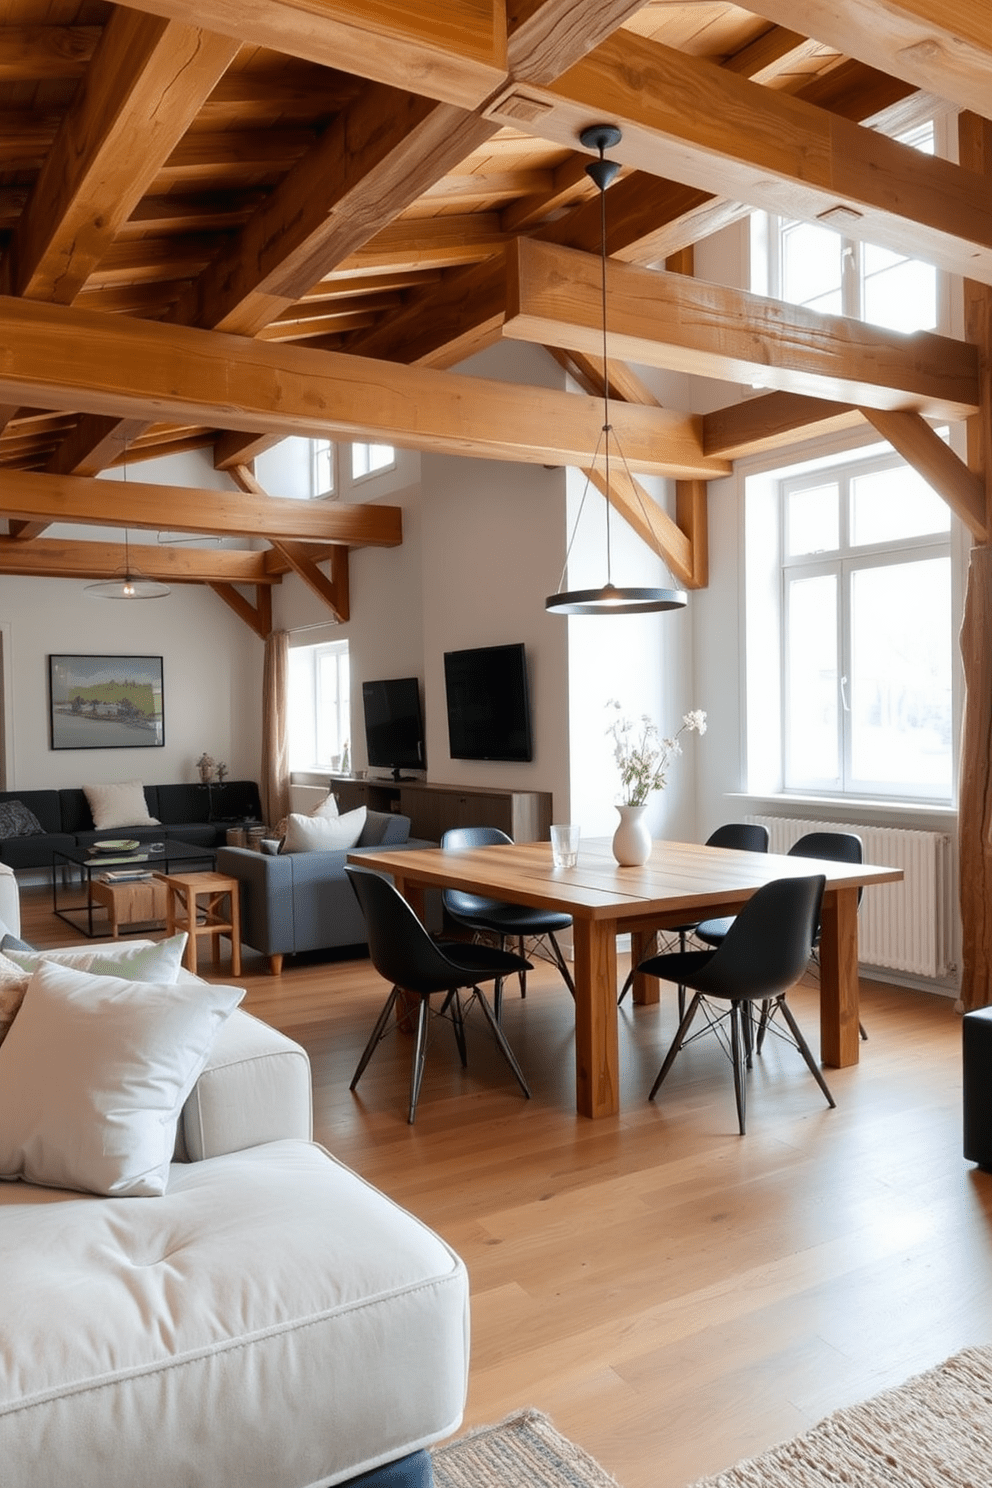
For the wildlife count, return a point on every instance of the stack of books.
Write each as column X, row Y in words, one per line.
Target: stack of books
column 126, row 875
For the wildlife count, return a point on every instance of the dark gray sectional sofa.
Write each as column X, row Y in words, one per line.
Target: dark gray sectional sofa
column 200, row 814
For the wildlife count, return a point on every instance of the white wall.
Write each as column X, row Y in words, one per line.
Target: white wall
column 212, row 667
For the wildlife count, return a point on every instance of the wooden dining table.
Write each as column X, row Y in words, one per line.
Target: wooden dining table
column 680, row 884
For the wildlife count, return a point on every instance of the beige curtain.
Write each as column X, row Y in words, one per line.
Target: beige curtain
column 975, row 806
column 275, row 740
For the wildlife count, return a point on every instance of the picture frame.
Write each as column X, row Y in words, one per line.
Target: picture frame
column 106, row 702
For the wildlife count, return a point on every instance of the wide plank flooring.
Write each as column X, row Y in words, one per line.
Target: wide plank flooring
column 673, row 1295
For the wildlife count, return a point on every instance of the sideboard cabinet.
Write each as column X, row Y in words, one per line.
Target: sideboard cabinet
column 433, row 809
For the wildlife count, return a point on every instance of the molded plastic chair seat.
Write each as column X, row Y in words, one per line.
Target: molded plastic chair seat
column 764, row 954
column 836, row 847
column 419, row 968
column 496, row 917
column 745, row 837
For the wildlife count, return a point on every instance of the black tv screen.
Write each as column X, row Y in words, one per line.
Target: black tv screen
column 488, row 704
column 394, row 727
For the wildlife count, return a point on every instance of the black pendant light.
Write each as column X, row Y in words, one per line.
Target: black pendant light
column 609, row 599
column 129, row 583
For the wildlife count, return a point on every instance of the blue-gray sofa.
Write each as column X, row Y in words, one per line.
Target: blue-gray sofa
column 302, row 901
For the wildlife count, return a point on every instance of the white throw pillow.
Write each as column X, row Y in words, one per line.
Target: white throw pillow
column 94, row 1073
column 328, row 807
column 135, row 961
column 322, row 833
column 121, row 805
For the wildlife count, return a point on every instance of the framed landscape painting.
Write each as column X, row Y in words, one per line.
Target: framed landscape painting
column 106, row 702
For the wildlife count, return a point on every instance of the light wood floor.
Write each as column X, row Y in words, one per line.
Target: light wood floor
column 673, row 1295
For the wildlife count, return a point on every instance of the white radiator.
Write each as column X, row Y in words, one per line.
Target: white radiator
column 905, row 926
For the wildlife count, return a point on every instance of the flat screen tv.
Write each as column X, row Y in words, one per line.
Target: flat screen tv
column 488, row 704
column 394, row 726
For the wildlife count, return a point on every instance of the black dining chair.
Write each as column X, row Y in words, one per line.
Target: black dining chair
column 835, row 847
column 762, row 956
column 420, row 968
column 745, row 837
column 483, row 915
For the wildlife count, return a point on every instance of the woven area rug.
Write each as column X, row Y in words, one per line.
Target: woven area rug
column 935, row 1431
column 524, row 1451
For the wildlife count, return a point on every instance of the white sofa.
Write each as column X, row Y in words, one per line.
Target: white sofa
column 10, row 904
column 271, row 1320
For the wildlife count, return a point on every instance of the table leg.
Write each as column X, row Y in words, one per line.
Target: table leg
column 646, row 989
column 597, row 1053
column 839, row 992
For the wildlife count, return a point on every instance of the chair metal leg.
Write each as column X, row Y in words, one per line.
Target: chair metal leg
column 419, row 1056
column 498, row 999
column 500, row 1038
column 626, row 986
column 805, row 1050
column 377, row 1033
column 454, row 1003
column 738, row 1044
column 861, row 1031
column 562, row 965
column 521, row 975
column 676, row 1045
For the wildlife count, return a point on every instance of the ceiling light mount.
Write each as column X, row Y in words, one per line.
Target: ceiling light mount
column 609, row 599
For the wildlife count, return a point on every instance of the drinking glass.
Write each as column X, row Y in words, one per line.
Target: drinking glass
column 565, row 845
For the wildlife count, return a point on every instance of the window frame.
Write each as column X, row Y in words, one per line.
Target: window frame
column 306, row 675
column 845, row 561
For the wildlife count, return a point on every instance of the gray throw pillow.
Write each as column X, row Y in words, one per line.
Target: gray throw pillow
column 17, row 820
column 374, row 830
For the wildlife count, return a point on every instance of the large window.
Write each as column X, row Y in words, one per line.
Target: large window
column 319, row 706
column 866, row 632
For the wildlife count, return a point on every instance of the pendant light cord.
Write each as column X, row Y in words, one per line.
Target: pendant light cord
column 606, row 369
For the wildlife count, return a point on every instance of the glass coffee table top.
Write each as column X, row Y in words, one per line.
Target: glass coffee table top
column 74, row 869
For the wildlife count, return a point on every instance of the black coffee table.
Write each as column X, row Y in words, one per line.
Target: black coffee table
column 74, row 867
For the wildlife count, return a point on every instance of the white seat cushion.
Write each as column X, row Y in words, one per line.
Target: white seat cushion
column 272, row 1322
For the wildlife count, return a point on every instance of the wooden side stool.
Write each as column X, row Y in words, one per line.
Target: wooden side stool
column 204, row 904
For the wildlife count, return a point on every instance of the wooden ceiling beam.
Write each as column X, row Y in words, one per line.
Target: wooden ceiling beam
column 372, row 162
column 257, row 616
column 923, row 449
column 62, row 357
column 95, row 443
column 774, row 421
column 144, row 86
column 771, row 54
column 331, row 590
column 27, row 496
column 554, row 297
column 648, row 219
column 237, row 448
column 945, row 48
column 68, row 559
column 455, row 52
column 547, row 36
column 693, row 121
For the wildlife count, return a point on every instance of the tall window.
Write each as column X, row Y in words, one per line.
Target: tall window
column 369, row 459
column 808, row 264
column 866, row 632
column 319, row 705
column 322, row 467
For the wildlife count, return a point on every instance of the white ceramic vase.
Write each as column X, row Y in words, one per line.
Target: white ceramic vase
column 632, row 840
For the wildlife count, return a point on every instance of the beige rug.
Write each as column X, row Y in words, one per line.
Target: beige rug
column 524, row 1451
column 935, row 1431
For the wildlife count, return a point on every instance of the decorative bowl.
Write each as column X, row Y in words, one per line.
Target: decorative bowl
column 115, row 845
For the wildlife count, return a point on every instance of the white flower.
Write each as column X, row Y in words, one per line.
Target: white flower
column 643, row 761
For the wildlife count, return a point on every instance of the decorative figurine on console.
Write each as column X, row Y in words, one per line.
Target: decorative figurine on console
column 206, row 767
column 222, row 773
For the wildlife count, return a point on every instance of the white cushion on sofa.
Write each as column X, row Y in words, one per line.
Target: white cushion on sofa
column 119, row 805
column 94, row 1073
column 271, row 1321
column 136, row 960
column 322, row 833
